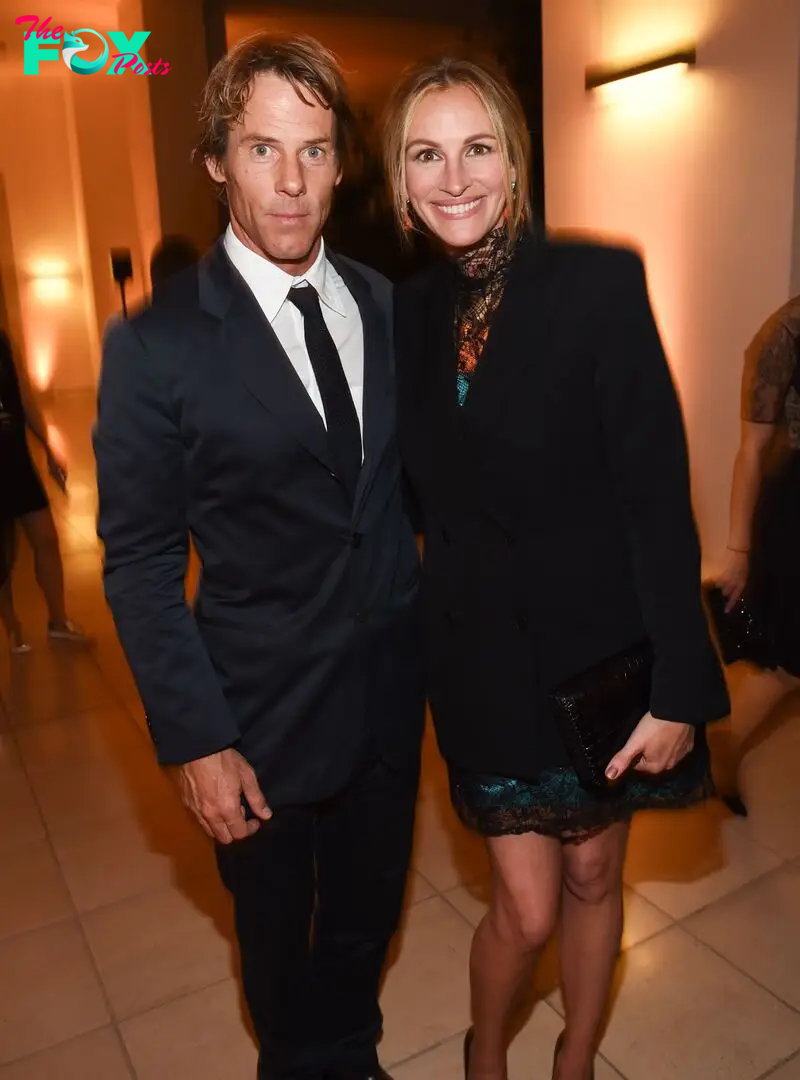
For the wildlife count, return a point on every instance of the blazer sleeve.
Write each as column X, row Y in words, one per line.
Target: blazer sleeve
column 143, row 524
column 647, row 452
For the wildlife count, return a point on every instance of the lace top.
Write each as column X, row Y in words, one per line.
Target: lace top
column 771, row 392
column 482, row 275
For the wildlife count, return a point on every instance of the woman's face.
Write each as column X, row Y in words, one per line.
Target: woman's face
column 454, row 172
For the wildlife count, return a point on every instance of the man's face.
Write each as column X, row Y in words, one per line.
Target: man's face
column 280, row 170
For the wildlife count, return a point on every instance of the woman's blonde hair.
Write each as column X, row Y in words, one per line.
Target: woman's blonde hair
column 505, row 113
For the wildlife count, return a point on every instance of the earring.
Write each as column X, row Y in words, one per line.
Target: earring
column 513, row 186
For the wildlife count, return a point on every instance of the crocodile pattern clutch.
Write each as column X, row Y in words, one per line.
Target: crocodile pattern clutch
column 597, row 711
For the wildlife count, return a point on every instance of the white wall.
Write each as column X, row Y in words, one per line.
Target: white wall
column 38, row 162
column 78, row 176
column 698, row 171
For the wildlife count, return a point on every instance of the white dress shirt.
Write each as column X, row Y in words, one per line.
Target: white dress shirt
column 270, row 285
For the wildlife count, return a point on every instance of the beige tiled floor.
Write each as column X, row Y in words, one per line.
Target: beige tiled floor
column 116, row 957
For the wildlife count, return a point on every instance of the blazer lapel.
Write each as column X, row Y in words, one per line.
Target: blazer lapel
column 379, row 404
column 251, row 347
column 517, row 335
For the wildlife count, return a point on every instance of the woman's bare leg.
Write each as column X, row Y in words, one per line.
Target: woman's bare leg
column 526, row 881
column 755, row 695
column 40, row 529
column 591, row 932
column 9, row 617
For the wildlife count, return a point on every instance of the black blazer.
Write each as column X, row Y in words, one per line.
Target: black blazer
column 555, row 502
column 302, row 648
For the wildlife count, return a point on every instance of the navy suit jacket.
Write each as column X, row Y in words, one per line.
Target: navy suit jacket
column 302, row 647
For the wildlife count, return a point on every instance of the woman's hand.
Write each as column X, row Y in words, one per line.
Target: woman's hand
column 654, row 747
column 733, row 576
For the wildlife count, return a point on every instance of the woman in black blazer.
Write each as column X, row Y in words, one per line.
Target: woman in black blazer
column 544, row 444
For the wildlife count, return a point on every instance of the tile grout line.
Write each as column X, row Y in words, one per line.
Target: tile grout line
column 742, row 829
column 773, row 1071
column 750, row 978
column 112, row 1020
column 680, row 919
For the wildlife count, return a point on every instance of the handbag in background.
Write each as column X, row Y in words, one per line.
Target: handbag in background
column 738, row 633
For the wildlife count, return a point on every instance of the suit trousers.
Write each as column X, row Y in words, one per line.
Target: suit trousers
column 318, row 894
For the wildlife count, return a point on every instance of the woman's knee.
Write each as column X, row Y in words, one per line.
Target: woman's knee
column 527, row 927
column 525, row 921
column 594, row 874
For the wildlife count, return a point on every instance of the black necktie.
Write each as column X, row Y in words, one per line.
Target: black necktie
column 341, row 418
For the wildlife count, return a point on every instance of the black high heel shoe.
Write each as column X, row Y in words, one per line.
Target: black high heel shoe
column 467, row 1051
column 557, row 1052
column 734, row 802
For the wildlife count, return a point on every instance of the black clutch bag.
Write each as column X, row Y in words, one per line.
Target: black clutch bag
column 737, row 632
column 597, row 711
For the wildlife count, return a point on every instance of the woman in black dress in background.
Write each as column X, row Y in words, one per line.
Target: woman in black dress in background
column 544, row 442
column 762, row 565
column 24, row 500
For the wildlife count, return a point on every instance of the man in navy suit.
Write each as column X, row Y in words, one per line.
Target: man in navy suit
column 251, row 408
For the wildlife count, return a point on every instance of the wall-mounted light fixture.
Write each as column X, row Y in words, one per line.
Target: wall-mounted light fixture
column 50, row 280
column 601, row 76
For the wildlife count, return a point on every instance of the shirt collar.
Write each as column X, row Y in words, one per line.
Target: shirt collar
column 270, row 285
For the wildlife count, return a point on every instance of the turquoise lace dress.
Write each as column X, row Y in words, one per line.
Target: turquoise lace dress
column 552, row 803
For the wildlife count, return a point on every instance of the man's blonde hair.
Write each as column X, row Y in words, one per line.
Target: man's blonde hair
column 302, row 61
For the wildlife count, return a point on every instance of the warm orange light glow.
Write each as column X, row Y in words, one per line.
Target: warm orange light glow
column 51, row 290
column 41, row 366
column 647, row 91
column 50, row 280
column 48, row 268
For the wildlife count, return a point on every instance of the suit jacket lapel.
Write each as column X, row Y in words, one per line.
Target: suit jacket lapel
column 379, row 404
column 251, row 347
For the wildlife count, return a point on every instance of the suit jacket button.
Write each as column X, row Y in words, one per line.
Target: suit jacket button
column 521, row 621
column 450, row 618
column 445, row 536
column 360, row 616
column 355, row 540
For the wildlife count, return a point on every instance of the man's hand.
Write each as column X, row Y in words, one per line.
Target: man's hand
column 654, row 747
column 212, row 789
